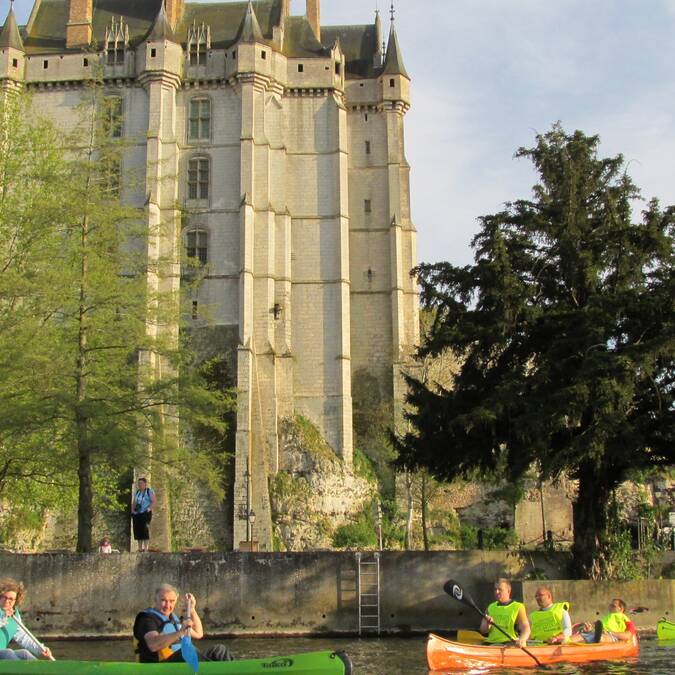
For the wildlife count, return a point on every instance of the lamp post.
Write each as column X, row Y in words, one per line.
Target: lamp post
column 251, row 522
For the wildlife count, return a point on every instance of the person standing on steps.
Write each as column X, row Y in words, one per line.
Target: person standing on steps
column 141, row 513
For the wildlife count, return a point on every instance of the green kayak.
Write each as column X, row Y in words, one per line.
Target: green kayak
column 312, row 663
column 665, row 630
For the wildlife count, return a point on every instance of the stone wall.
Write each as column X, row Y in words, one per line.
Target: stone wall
column 296, row 593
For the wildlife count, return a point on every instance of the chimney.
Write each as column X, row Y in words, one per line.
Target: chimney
column 313, row 14
column 174, row 11
column 78, row 28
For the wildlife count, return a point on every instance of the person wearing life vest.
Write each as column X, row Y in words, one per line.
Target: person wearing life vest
column 158, row 631
column 551, row 622
column 508, row 614
column 614, row 626
column 11, row 594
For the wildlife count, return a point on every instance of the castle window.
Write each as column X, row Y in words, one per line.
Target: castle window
column 367, row 147
column 85, row 62
column 116, row 41
column 114, row 117
column 153, row 53
column 301, row 68
column 15, row 63
column 196, row 245
column 199, row 41
column 392, row 82
column 198, row 178
column 234, row 54
column 263, row 54
column 367, row 206
column 366, row 117
column 199, row 122
column 337, row 68
column 45, row 64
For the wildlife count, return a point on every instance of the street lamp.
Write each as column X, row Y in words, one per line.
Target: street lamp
column 251, row 521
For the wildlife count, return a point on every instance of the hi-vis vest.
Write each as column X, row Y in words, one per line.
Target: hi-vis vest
column 615, row 622
column 170, row 625
column 8, row 628
column 505, row 617
column 546, row 623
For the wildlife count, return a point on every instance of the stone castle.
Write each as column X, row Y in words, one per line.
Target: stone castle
column 283, row 141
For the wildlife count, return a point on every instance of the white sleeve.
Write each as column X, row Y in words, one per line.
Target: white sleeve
column 567, row 624
column 27, row 642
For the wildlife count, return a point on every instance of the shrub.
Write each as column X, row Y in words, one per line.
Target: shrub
column 360, row 534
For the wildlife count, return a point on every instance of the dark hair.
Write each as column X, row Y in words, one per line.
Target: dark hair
column 622, row 604
column 144, row 480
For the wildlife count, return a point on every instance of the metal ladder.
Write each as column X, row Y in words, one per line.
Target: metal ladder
column 369, row 592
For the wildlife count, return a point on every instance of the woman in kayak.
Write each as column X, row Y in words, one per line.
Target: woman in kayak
column 507, row 614
column 11, row 626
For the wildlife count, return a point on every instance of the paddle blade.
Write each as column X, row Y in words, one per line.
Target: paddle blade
column 451, row 587
column 189, row 653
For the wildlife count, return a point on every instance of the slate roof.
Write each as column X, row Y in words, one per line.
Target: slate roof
column 360, row 43
column 9, row 35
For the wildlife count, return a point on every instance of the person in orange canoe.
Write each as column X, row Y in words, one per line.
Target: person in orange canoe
column 615, row 626
column 508, row 614
column 551, row 622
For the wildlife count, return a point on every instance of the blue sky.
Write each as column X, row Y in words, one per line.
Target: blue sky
column 489, row 74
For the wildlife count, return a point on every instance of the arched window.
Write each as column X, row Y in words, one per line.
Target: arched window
column 197, row 245
column 199, row 171
column 199, row 119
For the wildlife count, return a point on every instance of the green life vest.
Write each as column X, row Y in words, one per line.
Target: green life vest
column 546, row 623
column 8, row 629
column 505, row 617
column 614, row 622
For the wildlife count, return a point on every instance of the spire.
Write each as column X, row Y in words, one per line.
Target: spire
column 161, row 29
column 393, row 62
column 250, row 28
column 9, row 35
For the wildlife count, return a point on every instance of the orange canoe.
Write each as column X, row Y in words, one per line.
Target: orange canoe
column 447, row 655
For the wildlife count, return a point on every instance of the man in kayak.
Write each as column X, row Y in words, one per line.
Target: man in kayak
column 551, row 622
column 158, row 631
column 615, row 626
column 11, row 626
column 508, row 615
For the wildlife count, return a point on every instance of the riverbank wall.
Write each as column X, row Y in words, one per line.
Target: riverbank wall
column 238, row 594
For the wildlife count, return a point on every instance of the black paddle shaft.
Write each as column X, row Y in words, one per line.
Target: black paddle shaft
column 453, row 589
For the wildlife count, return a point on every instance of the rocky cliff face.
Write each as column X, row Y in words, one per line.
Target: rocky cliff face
column 314, row 491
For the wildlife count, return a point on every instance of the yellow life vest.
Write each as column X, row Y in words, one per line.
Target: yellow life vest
column 615, row 622
column 505, row 617
column 546, row 623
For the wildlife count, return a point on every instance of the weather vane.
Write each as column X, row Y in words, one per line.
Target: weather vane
column 392, row 10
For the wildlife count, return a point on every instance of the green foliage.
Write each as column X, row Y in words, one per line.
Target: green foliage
column 360, row 534
column 564, row 327
column 364, row 467
column 91, row 372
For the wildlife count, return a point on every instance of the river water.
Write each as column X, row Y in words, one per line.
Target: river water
column 385, row 656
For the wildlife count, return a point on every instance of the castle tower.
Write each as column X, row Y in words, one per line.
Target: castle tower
column 160, row 64
column 12, row 54
column 283, row 142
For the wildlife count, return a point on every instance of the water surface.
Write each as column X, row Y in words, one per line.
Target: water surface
column 372, row 656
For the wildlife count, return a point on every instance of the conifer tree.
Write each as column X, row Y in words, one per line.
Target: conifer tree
column 564, row 329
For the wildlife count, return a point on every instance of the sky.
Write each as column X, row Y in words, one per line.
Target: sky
column 488, row 75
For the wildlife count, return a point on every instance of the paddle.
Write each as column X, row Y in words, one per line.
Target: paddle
column 31, row 636
column 453, row 589
column 187, row 649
